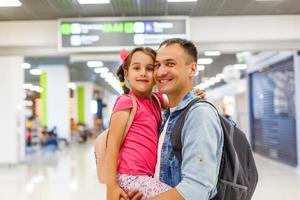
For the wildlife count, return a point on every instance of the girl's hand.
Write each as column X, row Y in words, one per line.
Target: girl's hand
column 115, row 193
column 200, row 93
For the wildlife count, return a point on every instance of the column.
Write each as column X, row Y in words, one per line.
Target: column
column 12, row 126
column 84, row 96
column 55, row 95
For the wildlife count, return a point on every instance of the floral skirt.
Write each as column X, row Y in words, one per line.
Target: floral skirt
column 148, row 185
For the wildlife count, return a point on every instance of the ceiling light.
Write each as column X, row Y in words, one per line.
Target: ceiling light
column 95, row 64
column 26, row 66
column 204, row 85
column 240, row 66
column 109, row 79
column 114, row 84
column 93, row 1
column 27, row 86
column 35, row 72
column 201, row 86
column 36, row 88
column 205, row 61
column 210, row 82
column 181, row 1
column 101, row 70
column 212, row 53
column 106, row 75
column 214, row 80
column 10, row 3
column 103, row 75
column 117, row 87
column 220, row 76
column 109, row 75
column 268, row 0
column 200, row 67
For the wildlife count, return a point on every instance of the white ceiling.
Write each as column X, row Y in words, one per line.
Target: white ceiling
column 54, row 9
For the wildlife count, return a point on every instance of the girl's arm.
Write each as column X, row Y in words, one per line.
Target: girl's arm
column 114, row 142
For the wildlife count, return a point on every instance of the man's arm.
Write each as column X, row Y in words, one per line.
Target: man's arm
column 202, row 144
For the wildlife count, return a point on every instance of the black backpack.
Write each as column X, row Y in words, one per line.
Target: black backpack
column 237, row 174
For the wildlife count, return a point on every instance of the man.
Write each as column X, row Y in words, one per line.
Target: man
column 195, row 178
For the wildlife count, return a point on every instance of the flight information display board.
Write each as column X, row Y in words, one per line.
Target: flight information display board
column 109, row 34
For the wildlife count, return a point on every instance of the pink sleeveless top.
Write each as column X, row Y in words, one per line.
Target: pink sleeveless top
column 138, row 154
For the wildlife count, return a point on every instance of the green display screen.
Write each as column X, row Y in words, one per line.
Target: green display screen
column 81, row 34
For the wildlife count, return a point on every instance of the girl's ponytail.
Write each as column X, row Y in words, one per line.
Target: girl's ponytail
column 121, row 76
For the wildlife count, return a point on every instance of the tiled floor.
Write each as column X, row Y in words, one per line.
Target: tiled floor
column 70, row 175
column 276, row 181
column 64, row 175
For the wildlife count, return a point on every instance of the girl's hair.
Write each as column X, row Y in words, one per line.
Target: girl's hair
column 125, row 65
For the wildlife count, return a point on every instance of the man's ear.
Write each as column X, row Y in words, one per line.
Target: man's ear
column 193, row 69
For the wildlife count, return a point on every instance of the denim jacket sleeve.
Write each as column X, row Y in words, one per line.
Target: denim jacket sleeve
column 202, row 144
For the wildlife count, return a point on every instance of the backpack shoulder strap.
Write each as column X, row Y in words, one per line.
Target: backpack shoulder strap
column 157, row 100
column 131, row 115
column 176, row 136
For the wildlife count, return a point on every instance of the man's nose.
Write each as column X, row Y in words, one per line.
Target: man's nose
column 161, row 71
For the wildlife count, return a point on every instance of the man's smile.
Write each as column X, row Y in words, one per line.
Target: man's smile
column 163, row 81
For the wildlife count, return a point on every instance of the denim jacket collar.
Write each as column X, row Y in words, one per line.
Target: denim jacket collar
column 186, row 100
column 183, row 103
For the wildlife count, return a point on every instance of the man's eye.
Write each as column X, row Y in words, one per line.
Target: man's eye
column 157, row 65
column 170, row 64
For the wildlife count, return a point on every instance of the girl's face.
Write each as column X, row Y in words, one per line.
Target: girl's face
column 140, row 74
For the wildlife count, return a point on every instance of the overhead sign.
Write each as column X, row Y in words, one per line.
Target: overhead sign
column 109, row 34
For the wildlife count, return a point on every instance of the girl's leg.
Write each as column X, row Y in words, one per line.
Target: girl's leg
column 149, row 186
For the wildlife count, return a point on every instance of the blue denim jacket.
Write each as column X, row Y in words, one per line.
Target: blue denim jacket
column 202, row 143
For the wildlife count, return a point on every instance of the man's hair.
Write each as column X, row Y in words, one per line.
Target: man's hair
column 188, row 46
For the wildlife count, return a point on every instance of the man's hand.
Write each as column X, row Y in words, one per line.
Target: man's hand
column 133, row 195
column 115, row 193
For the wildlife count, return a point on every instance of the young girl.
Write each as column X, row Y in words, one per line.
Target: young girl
column 133, row 162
